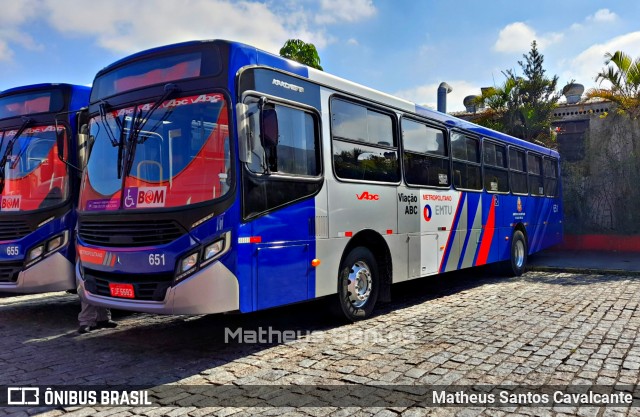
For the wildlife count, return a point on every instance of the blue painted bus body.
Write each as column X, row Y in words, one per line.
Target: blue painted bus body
column 54, row 270
column 275, row 269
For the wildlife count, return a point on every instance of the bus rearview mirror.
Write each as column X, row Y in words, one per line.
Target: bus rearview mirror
column 269, row 129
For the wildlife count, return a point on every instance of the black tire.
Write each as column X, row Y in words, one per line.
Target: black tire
column 517, row 263
column 358, row 285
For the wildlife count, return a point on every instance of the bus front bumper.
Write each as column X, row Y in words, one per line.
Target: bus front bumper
column 53, row 273
column 213, row 289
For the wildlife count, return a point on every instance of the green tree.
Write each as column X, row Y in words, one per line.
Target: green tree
column 522, row 106
column 302, row 52
column 624, row 78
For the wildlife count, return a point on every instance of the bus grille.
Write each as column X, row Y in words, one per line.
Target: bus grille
column 129, row 233
column 145, row 287
column 14, row 229
column 9, row 271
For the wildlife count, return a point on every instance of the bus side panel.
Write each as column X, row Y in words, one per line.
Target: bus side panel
column 488, row 246
column 282, row 258
column 538, row 215
column 355, row 207
column 449, row 261
column 469, row 230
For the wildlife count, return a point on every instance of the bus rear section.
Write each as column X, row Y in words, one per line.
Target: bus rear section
column 38, row 186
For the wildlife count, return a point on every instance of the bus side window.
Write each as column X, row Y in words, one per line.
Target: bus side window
column 550, row 176
column 466, row 160
column 518, row 171
column 426, row 157
column 496, row 175
column 536, row 184
column 364, row 146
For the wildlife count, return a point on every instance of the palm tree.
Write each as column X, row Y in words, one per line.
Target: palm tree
column 624, row 78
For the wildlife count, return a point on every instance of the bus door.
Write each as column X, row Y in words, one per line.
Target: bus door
column 281, row 176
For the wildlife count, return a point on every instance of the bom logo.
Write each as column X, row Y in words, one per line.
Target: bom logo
column 145, row 197
column 10, row 203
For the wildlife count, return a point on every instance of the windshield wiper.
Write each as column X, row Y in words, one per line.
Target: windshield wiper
column 5, row 156
column 112, row 138
column 103, row 118
column 138, row 123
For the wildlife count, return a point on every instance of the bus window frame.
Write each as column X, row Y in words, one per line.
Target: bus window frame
column 541, row 175
column 394, row 131
column 505, row 169
column 480, row 164
column 433, row 125
column 250, row 95
column 526, row 167
column 555, row 161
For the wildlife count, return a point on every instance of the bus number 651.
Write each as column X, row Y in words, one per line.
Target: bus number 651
column 156, row 259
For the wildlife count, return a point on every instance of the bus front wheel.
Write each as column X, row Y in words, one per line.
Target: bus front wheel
column 358, row 284
column 518, row 262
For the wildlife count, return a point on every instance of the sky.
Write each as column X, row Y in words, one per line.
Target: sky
column 401, row 47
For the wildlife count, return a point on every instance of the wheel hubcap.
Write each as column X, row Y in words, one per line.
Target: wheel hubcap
column 519, row 255
column 359, row 286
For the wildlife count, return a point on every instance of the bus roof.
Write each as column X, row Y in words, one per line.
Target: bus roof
column 333, row 81
column 44, row 86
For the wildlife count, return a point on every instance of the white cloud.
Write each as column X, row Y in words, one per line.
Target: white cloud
column 517, row 37
column 127, row 26
column 333, row 11
column 14, row 14
column 428, row 94
column 586, row 65
column 603, row 16
column 353, row 42
column 5, row 52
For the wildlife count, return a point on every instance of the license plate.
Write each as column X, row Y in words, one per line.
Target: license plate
column 121, row 290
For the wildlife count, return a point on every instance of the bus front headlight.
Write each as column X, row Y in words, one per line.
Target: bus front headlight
column 213, row 249
column 188, row 262
column 35, row 253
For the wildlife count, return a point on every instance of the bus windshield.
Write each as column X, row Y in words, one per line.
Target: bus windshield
column 34, row 176
column 181, row 155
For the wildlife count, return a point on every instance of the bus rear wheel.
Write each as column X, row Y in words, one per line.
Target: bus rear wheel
column 358, row 284
column 518, row 262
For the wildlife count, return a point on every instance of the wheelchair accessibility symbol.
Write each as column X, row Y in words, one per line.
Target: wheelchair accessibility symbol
column 130, row 199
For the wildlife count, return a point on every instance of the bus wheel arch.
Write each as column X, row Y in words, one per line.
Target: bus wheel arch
column 367, row 260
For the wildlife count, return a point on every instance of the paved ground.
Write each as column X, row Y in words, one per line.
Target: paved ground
column 462, row 328
column 624, row 263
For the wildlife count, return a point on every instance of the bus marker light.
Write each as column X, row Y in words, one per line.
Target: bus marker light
column 389, row 231
column 506, row 238
column 441, row 247
column 315, row 263
column 252, row 239
column 348, row 234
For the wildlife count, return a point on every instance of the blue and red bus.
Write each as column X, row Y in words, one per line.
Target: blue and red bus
column 39, row 182
column 225, row 178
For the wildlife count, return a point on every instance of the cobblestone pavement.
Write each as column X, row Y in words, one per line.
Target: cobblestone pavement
column 461, row 328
